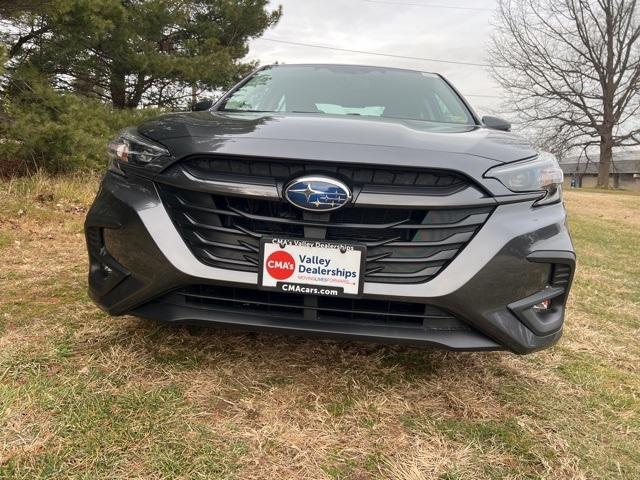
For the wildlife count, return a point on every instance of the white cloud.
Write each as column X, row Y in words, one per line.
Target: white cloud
column 408, row 30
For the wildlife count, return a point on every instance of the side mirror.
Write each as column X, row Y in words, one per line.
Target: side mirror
column 496, row 123
column 202, row 105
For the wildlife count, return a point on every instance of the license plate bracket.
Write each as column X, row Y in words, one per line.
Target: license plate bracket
column 312, row 267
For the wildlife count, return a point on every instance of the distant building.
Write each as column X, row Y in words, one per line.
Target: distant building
column 624, row 172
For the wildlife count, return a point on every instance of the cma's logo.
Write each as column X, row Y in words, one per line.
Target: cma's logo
column 317, row 194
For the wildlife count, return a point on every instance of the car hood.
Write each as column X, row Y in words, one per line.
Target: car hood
column 309, row 135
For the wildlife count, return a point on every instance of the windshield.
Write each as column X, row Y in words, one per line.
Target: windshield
column 350, row 90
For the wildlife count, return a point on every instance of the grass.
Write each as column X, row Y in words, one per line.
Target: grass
column 86, row 396
column 613, row 191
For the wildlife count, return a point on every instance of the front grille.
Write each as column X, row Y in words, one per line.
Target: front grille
column 561, row 275
column 270, row 171
column 354, row 311
column 95, row 241
column 403, row 245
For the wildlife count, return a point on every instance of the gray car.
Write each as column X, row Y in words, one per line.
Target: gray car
column 362, row 202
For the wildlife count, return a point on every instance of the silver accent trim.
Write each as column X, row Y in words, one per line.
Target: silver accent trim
column 469, row 196
column 252, row 190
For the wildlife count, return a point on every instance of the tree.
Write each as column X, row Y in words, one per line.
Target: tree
column 572, row 70
column 11, row 7
column 44, row 129
column 127, row 51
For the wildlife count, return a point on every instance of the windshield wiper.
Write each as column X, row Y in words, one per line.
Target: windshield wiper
column 239, row 110
column 325, row 113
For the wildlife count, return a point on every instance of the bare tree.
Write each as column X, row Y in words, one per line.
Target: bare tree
column 572, row 70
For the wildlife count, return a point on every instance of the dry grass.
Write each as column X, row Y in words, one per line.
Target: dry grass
column 83, row 395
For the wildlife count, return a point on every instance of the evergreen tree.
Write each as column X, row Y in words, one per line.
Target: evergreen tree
column 134, row 52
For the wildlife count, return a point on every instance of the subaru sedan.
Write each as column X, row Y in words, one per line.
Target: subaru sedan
column 335, row 200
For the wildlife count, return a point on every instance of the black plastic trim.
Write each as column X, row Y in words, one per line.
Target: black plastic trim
column 546, row 322
column 468, row 340
column 105, row 273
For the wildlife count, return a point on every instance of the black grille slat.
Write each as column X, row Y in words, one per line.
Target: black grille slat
column 270, row 171
column 241, row 247
column 438, row 257
column 561, row 275
column 214, row 258
column 351, row 309
column 94, row 239
column 404, row 245
column 394, row 314
column 426, row 272
column 469, row 220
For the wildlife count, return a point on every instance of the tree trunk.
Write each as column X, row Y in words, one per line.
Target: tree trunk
column 136, row 96
column 117, row 87
column 606, row 154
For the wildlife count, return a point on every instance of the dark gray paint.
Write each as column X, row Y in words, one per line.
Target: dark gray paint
column 222, row 132
column 477, row 286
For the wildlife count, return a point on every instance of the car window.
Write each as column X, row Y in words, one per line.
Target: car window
column 349, row 90
column 449, row 110
column 251, row 94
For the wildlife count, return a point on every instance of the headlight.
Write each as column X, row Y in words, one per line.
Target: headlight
column 132, row 148
column 542, row 174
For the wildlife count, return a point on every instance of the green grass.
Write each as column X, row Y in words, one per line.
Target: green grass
column 612, row 191
column 86, row 396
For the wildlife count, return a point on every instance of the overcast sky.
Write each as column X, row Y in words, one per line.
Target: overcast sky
column 415, row 28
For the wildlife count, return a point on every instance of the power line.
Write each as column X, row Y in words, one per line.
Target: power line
column 427, row 5
column 378, row 54
column 482, row 96
column 300, row 44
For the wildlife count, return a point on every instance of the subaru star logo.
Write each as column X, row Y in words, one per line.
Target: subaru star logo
column 317, row 194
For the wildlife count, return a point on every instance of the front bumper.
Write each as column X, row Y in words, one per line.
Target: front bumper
column 521, row 255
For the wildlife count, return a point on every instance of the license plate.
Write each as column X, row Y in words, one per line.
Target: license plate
column 311, row 267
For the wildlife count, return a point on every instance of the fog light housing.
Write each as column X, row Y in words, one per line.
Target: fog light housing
column 539, row 312
column 104, row 271
column 543, row 305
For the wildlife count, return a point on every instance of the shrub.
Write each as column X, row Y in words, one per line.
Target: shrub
column 43, row 129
